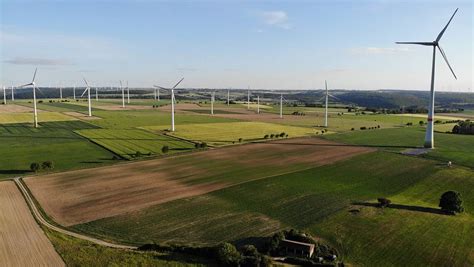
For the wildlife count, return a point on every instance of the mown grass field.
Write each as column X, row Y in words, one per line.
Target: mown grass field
column 128, row 119
column 448, row 147
column 319, row 200
column 27, row 117
column 72, row 105
column 76, row 252
column 21, row 144
column 127, row 143
column 228, row 133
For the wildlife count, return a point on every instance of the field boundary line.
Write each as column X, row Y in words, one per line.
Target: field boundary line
column 39, row 217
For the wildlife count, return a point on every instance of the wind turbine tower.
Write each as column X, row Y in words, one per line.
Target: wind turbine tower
column 35, row 111
column 128, row 94
column 326, row 105
column 258, row 104
column 248, row 99
column 429, row 136
column 173, row 100
column 212, row 102
column 228, row 97
column 123, row 94
column 4, row 96
column 74, row 91
column 88, row 89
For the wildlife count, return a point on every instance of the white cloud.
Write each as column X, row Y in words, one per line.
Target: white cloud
column 276, row 18
column 38, row 61
column 379, row 50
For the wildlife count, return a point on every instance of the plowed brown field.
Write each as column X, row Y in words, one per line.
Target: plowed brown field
column 22, row 242
column 87, row 195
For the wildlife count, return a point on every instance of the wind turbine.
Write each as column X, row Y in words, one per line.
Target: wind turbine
column 429, row 136
column 228, row 97
column 123, row 94
column 258, row 104
column 173, row 100
column 248, row 98
column 74, row 91
column 157, row 92
column 88, row 89
column 281, row 105
column 35, row 112
column 128, row 94
column 326, row 105
column 213, row 95
column 4, row 95
column 60, row 91
column 96, row 94
column 13, row 93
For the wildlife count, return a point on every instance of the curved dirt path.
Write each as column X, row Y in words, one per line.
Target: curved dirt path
column 39, row 218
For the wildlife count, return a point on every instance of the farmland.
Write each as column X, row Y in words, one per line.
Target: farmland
column 319, row 200
column 21, row 144
column 22, row 241
column 228, row 133
column 7, row 118
column 127, row 143
column 129, row 187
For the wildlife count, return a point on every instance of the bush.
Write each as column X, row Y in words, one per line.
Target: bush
column 409, row 123
column 34, row 166
column 165, row 149
column 352, row 129
column 421, row 122
column 138, row 154
column 266, row 136
column 203, row 145
column 47, row 165
column 451, row 202
column 363, row 128
column 228, row 255
column 272, row 135
column 282, row 134
column 197, row 145
column 384, row 202
column 240, row 140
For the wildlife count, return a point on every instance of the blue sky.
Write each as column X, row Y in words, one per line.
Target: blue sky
column 222, row 44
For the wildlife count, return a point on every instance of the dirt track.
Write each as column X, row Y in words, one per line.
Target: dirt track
column 22, row 242
column 87, row 195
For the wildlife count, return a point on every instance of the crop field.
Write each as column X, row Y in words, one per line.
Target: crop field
column 43, row 116
column 22, row 241
column 127, row 143
column 228, row 133
column 320, row 200
column 128, row 119
column 91, row 194
column 21, row 144
column 57, row 106
column 449, row 147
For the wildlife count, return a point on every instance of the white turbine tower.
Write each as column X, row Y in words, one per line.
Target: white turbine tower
column 88, row 89
column 74, row 91
column 60, row 91
column 123, row 94
column 258, row 104
column 281, row 105
column 157, row 92
column 4, row 95
column 248, row 99
column 228, row 97
column 173, row 100
column 96, row 94
column 429, row 137
column 213, row 95
column 35, row 111
column 128, row 94
column 326, row 105
column 13, row 93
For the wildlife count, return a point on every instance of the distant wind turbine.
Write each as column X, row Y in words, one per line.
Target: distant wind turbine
column 213, row 95
column 173, row 100
column 74, row 91
column 13, row 93
column 128, row 94
column 123, row 94
column 228, row 97
column 35, row 111
column 248, row 99
column 258, row 104
column 429, row 136
column 88, row 89
column 4, row 95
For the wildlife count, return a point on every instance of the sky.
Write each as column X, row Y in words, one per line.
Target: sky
column 236, row 44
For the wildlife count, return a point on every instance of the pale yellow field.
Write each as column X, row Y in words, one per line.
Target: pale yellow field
column 226, row 133
column 22, row 242
column 24, row 117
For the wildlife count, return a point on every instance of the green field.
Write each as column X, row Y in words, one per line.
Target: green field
column 227, row 133
column 318, row 200
column 127, row 142
column 128, row 119
column 59, row 106
column 449, row 147
column 25, row 117
column 21, row 144
column 76, row 252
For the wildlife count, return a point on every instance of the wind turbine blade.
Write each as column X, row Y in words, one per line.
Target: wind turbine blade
column 120, row 83
column 25, row 85
column 445, row 27
column 85, row 82
column 34, row 76
column 417, row 43
column 161, row 87
column 178, row 83
column 446, row 59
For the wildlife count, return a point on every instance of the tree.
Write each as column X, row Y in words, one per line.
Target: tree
column 34, row 166
column 384, row 202
column 451, row 202
column 47, row 165
column 228, row 255
column 165, row 149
